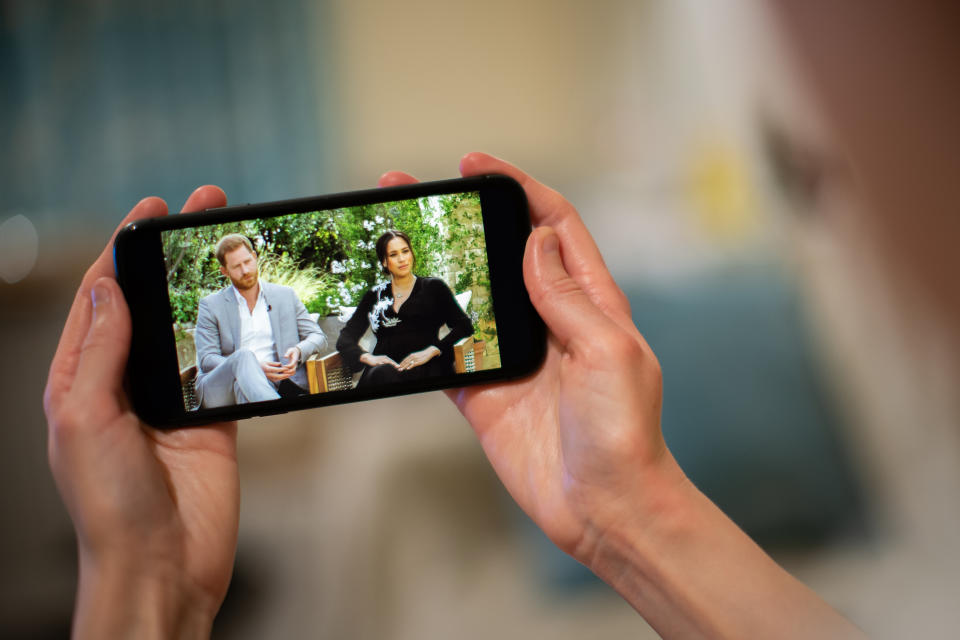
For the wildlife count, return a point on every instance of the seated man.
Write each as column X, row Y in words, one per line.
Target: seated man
column 242, row 329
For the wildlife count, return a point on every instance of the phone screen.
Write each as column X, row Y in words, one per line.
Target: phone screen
column 261, row 309
column 316, row 282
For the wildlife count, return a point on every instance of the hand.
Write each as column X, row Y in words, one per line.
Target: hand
column 570, row 441
column 155, row 512
column 418, row 358
column 374, row 361
column 578, row 445
column 292, row 356
column 277, row 371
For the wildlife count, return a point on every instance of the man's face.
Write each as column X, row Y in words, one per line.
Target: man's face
column 240, row 265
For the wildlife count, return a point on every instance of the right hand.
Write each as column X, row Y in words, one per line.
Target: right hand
column 578, row 444
column 277, row 371
column 374, row 361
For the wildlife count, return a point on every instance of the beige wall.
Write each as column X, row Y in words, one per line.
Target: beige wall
column 417, row 85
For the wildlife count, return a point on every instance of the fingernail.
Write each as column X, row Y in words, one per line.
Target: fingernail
column 100, row 294
column 551, row 244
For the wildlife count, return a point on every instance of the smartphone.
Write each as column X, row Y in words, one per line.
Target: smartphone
column 261, row 309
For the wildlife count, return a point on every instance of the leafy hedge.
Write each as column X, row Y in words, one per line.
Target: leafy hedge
column 329, row 257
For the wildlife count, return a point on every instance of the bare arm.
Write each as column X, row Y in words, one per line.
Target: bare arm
column 579, row 447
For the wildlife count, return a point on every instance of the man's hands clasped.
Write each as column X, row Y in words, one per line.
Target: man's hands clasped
column 278, row 371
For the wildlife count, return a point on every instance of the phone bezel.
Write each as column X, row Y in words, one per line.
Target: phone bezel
column 139, row 264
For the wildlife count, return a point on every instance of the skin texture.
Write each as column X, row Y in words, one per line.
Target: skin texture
column 155, row 512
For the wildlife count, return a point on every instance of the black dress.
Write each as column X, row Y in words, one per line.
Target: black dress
column 430, row 306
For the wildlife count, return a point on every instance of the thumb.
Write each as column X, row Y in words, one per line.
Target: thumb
column 103, row 356
column 563, row 305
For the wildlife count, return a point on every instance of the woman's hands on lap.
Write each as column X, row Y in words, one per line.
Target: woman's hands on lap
column 419, row 358
column 156, row 512
column 375, row 361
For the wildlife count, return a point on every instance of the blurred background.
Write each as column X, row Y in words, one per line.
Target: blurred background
column 689, row 143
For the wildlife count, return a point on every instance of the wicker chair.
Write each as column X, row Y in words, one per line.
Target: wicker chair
column 188, row 377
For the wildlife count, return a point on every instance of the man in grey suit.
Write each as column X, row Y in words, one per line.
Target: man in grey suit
column 242, row 331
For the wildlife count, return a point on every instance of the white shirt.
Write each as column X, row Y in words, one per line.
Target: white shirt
column 256, row 334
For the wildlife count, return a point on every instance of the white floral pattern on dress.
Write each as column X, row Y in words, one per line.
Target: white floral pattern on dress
column 377, row 314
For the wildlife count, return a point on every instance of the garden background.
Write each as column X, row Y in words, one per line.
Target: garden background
column 329, row 257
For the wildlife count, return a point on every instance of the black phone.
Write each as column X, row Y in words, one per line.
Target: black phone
column 372, row 293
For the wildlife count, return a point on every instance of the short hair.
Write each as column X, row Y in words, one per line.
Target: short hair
column 385, row 239
column 230, row 242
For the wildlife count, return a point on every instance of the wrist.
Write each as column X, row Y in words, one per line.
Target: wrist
column 691, row 572
column 638, row 520
column 122, row 599
column 637, row 555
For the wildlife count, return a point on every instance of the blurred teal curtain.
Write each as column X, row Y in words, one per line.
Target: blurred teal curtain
column 106, row 101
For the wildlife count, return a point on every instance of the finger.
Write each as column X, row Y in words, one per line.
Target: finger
column 394, row 178
column 581, row 257
column 103, row 356
column 64, row 365
column 205, row 197
column 150, row 207
column 565, row 308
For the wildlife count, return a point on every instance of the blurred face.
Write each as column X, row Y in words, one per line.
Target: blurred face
column 399, row 259
column 240, row 265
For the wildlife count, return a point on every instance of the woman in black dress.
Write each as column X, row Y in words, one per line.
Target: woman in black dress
column 405, row 315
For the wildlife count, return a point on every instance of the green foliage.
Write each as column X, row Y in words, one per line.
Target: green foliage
column 329, row 257
column 308, row 282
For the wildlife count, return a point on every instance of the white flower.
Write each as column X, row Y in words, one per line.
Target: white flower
column 365, row 265
column 378, row 219
column 337, row 267
column 368, row 225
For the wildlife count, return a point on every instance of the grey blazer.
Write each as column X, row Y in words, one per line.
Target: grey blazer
column 218, row 329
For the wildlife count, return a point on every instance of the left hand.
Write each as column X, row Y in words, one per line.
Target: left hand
column 418, row 358
column 155, row 512
column 292, row 356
